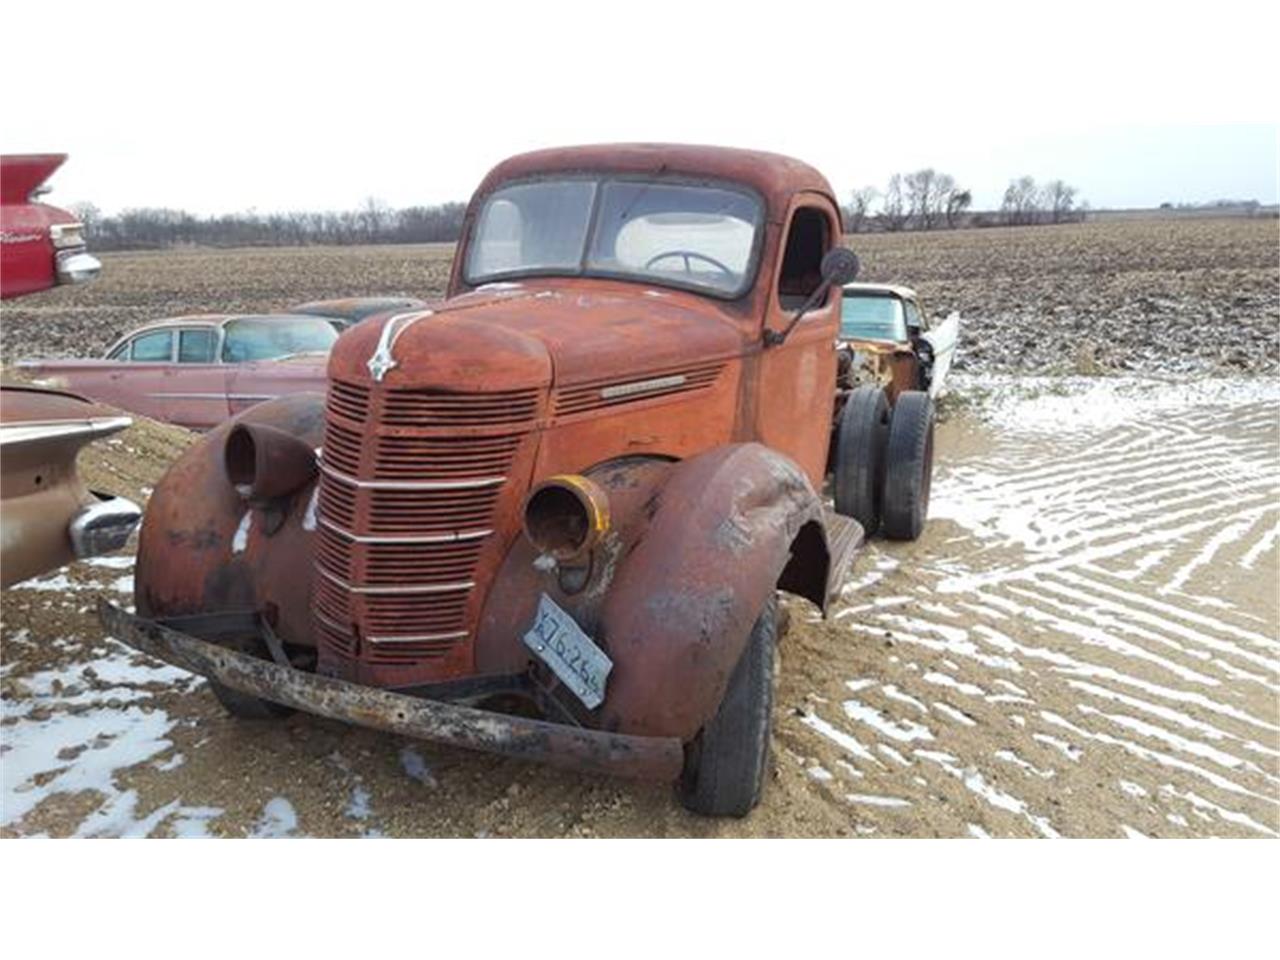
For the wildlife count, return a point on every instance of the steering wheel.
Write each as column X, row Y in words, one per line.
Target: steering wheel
column 687, row 255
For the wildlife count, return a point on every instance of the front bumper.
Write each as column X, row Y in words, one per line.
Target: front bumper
column 103, row 526
column 76, row 266
column 645, row 758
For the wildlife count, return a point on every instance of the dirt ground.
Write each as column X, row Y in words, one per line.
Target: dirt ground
column 1084, row 643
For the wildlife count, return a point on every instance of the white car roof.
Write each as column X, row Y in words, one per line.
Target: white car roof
column 891, row 289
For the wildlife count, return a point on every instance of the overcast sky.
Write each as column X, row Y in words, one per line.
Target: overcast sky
column 230, row 106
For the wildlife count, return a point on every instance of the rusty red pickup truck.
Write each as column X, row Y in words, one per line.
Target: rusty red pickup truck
column 577, row 483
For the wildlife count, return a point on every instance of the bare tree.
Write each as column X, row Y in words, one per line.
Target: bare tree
column 1059, row 200
column 893, row 212
column 860, row 202
column 922, row 196
column 373, row 218
column 958, row 202
column 87, row 213
column 1021, row 203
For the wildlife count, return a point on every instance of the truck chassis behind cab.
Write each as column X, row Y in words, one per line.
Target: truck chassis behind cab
column 577, row 483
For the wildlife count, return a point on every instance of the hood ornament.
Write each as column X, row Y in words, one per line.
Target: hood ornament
column 383, row 361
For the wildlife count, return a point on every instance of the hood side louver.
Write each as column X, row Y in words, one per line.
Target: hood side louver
column 598, row 394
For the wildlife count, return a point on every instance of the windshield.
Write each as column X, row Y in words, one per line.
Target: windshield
column 872, row 318
column 260, row 338
column 668, row 233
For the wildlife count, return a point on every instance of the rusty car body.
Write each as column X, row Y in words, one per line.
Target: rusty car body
column 882, row 451
column 47, row 515
column 197, row 371
column 577, row 482
column 886, row 338
column 41, row 245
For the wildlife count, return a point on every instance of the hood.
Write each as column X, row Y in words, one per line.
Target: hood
column 520, row 335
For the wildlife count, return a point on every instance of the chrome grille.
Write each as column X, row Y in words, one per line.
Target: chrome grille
column 349, row 400
column 438, row 408
column 412, row 482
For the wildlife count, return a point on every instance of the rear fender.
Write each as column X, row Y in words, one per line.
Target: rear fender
column 695, row 549
column 202, row 548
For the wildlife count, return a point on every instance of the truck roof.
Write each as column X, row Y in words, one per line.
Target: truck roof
column 774, row 176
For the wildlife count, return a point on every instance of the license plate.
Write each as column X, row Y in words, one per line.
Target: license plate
column 572, row 656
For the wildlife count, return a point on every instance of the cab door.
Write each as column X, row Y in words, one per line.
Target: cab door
column 797, row 382
column 135, row 374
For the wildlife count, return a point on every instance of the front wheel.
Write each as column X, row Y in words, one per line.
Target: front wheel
column 725, row 766
column 244, row 706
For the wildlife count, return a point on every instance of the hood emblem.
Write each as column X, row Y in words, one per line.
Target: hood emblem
column 383, row 361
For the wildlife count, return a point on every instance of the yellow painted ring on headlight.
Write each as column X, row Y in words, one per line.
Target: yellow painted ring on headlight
column 566, row 515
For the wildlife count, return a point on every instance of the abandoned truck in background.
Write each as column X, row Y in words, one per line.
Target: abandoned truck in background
column 580, row 480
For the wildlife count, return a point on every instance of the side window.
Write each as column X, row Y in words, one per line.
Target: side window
column 807, row 240
column 914, row 322
column 121, row 352
column 196, row 346
column 153, row 347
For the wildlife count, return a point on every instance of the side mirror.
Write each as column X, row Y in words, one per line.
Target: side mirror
column 840, row 266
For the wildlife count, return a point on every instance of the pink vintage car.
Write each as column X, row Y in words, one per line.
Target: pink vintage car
column 197, row 371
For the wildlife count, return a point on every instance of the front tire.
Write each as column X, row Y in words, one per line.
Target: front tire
column 244, row 706
column 909, row 469
column 725, row 766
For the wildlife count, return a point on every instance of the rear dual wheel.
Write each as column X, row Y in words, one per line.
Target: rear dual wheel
column 884, row 462
column 909, row 467
column 859, row 460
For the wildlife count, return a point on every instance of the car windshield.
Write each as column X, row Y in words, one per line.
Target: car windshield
column 676, row 234
column 262, row 338
column 872, row 318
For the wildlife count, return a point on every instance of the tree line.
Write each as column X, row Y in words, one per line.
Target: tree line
column 929, row 200
column 922, row 200
column 156, row 227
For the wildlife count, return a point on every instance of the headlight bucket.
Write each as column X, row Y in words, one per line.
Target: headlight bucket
column 565, row 516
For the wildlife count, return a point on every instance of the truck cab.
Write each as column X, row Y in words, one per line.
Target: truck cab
column 580, row 479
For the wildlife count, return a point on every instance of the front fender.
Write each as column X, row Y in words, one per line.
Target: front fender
column 695, row 550
column 683, row 604
column 202, row 549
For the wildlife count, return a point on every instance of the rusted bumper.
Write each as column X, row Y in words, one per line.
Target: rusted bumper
column 646, row 758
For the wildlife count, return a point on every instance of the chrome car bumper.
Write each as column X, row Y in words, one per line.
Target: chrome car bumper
column 103, row 527
column 76, row 266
